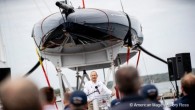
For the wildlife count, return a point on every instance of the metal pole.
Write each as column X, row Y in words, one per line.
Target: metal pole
column 118, row 62
column 61, row 88
column 177, row 90
column 104, row 76
column 66, row 81
column 77, row 86
column 68, row 2
column 82, row 79
column 113, row 73
column 176, row 86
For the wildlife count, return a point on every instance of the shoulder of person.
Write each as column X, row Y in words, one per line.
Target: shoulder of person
column 121, row 106
column 88, row 82
column 100, row 82
column 178, row 101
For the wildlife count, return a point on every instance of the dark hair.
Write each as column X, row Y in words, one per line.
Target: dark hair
column 188, row 83
column 128, row 80
column 47, row 94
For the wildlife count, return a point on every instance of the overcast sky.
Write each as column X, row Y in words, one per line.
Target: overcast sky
column 168, row 28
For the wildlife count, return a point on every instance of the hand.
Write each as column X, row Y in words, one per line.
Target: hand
column 113, row 94
column 89, row 102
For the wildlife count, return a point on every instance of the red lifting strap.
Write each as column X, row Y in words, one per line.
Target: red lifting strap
column 138, row 58
column 128, row 54
column 117, row 93
column 83, row 3
column 46, row 77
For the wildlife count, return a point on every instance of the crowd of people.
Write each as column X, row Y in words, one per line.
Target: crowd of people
column 22, row 94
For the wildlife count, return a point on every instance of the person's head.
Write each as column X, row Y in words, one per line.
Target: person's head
column 78, row 100
column 66, row 98
column 188, row 84
column 47, row 95
column 20, row 94
column 149, row 92
column 127, row 80
column 93, row 76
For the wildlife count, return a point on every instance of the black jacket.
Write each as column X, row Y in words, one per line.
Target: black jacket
column 184, row 103
column 136, row 102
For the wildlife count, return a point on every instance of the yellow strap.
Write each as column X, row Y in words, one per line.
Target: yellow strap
column 39, row 57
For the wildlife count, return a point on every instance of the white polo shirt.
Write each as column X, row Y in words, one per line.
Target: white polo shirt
column 90, row 88
column 49, row 107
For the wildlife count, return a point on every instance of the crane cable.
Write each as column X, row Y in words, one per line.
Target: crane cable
column 47, row 6
column 150, row 54
column 38, row 8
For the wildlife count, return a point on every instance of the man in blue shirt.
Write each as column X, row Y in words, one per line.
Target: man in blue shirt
column 128, row 82
column 66, row 101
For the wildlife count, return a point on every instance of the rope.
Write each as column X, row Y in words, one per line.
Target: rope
column 43, row 36
column 47, row 6
column 145, row 68
column 138, row 59
column 38, row 8
column 46, row 77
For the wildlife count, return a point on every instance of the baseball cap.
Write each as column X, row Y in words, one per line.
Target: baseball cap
column 78, row 98
column 149, row 91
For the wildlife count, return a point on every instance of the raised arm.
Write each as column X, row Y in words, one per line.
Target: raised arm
column 108, row 91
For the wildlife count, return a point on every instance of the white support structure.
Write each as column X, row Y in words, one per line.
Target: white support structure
column 77, row 78
column 104, row 76
column 61, row 87
column 113, row 74
column 83, row 78
column 66, row 82
column 93, row 59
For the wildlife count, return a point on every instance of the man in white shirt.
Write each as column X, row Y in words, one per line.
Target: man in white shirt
column 94, row 88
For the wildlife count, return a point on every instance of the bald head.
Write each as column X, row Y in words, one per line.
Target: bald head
column 66, row 97
column 128, row 80
column 19, row 94
column 188, row 83
column 93, row 76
